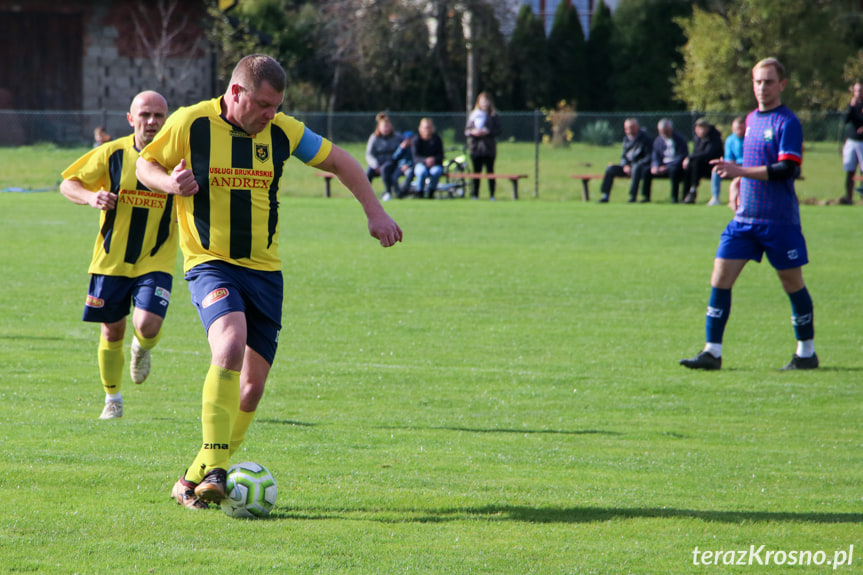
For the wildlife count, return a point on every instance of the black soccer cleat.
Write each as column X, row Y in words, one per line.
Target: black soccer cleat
column 798, row 362
column 704, row 360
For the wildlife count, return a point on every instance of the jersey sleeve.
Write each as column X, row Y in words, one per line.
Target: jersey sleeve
column 306, row 145
column 170, row 144
column 91, row 169
column 791, row 141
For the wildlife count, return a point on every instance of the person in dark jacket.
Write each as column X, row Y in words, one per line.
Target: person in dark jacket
column 380, row 148
column 634, row 163
column 482, row 130
column 669, row 150
column 427, row 150
column 707, row 145
column 852, row 151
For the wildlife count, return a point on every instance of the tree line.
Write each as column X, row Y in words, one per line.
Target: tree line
column 649, row 55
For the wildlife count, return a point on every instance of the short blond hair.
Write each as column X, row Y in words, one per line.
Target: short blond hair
column 777, row 65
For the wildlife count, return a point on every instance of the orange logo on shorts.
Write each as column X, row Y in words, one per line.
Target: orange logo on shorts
column 214, row 296
column 95, row 302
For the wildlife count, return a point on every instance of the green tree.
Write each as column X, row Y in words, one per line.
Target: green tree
column 646, row 53
column 599, row 66
column 566, row 47
column 723, row 46
column 528, row 61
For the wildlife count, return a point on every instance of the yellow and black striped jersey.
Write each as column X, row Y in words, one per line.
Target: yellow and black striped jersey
column 139, row 235
column 234, row 217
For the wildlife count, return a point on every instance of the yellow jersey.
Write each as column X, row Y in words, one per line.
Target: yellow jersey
column 234, row 216
column 139, row 235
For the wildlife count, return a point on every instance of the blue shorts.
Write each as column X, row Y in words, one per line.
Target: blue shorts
column 109, row 298
column 218, row 288
column 784, row 244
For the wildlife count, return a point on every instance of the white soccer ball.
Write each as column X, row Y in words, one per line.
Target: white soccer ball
column 251, row 491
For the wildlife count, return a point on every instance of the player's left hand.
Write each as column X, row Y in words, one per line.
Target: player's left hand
column 385, row 229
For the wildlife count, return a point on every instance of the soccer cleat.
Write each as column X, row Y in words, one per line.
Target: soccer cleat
column 714, row 202
column 798, row 362
column 603, row 199
column 112, row 410
column 139, row 366
column 213, row 488
column 704, row 360
column 689, row 198
column 184, row 494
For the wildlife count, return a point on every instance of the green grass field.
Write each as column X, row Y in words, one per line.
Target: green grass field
column 498, row 394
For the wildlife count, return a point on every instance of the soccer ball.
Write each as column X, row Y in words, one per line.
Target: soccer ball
column 251, row 491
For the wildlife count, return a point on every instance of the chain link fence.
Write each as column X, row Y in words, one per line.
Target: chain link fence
column 75, row 128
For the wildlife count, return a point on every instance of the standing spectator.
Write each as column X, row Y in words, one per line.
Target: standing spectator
column 482, row 130
column 767, row 220
column 230, row 242
column 135, row 251
column 706, row 146
column 634, row 163
column 380, row 148
column 852, row 152
column 427, row 150
column 669, row 150
column 733, row 153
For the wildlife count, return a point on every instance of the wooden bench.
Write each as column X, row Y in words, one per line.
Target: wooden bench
column 514, row 178
column 328, row 177
column 585, row 178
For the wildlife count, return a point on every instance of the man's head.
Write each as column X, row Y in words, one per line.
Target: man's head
column 631, row 127
column 768, row 82
column 857, row 91
column 738, row 126
column 665, row 127
column 702, row 127
column 255, row 93
column 426, row 128
column 147, row 115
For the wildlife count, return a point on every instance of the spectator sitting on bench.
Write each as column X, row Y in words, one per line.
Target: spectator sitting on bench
column 669, row 150
column 733, row 153
column 427, row 150
column 404, row 165
column 380, row 148
column 706, row 146
column 634, row 163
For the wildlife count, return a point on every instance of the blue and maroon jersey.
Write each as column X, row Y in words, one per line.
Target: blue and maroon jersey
column 770, row 137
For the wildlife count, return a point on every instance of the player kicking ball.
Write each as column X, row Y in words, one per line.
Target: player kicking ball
column 766, row 221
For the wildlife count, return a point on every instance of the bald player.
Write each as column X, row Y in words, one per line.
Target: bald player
column 135, row 250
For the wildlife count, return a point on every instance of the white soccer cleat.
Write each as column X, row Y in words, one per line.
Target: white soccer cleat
column 112, row 410
column 139, row 366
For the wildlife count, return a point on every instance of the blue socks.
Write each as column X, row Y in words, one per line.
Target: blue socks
column 801, row 315
column 718, row 309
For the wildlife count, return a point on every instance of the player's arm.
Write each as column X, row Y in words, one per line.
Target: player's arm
column 351, row 174
column 180, row 181
column 77, row 193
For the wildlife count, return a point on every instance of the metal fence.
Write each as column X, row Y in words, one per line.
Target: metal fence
column 75, row 128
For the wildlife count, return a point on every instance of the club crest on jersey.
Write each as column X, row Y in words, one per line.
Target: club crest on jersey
column 262, row 152
column 214, row 296
column 768, row 135
column 95, row 302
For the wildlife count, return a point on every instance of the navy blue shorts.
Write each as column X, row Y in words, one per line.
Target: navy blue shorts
column 109, row 298
column 218, row 288
column 784, row 244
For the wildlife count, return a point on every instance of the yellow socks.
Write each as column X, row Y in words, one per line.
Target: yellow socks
column 111, row 360
column 221, row 404
column 147, row 343
column 244, row 420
